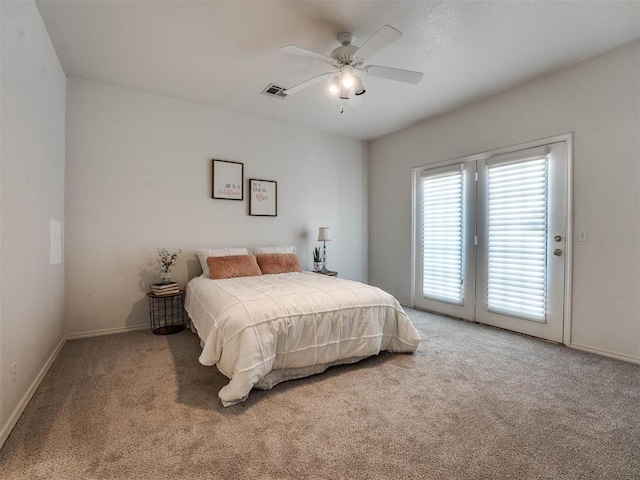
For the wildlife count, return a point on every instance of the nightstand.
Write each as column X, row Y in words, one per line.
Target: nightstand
column 328, row 273
column 166, row 312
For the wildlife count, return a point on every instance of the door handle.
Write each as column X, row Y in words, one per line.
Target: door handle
column 557, row 252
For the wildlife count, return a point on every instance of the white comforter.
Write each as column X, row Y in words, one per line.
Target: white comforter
column 253, row 325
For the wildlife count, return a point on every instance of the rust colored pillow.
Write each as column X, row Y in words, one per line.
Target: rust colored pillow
column 278, row 262
column 233, row 266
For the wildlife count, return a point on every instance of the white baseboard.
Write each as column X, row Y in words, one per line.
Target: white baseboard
column 108, row 331
column 13, row 419
column 606, row 353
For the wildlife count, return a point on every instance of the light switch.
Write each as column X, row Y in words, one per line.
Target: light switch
column 582, row 235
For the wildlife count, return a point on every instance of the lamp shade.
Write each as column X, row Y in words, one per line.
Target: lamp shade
column 334, row 85
column 323, row 234
column 347, row 76
column 358, row 87
column 344, row 93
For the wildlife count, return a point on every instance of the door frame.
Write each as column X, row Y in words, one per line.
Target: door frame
column 568, row 272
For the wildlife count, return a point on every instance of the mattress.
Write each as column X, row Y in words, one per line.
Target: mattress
column 271, row 328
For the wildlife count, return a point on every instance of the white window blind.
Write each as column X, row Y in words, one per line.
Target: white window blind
column 442, row 207
column 517, row 233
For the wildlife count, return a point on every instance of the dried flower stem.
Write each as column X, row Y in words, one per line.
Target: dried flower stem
column 167, row 259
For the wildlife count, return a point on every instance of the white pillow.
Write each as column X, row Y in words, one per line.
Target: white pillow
column 261, row 250
column 205, row 253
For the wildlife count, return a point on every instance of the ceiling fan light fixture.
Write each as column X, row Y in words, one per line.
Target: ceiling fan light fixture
column 347, row 82
column 344, row 92
column 358, row 87
column 334, row 85
column 348, row 61
column 347, row 76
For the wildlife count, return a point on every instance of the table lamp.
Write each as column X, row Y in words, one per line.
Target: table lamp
column 323, row 236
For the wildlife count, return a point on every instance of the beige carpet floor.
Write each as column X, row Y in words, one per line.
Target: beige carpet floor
column 473, row 403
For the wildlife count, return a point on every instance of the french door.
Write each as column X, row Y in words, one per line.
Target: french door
column 490, row 239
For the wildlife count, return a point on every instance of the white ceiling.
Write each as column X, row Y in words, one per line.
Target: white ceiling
column 224, row 53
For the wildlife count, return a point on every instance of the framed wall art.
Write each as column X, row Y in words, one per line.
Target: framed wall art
column 227, row 180
column 263, row 198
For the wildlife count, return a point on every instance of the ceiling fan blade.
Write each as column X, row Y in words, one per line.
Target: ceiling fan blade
column 406, row 76
column 378, row 41
column 303, row 52
column 308, row 83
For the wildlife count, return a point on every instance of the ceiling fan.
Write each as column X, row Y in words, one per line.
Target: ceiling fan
column 348, row 60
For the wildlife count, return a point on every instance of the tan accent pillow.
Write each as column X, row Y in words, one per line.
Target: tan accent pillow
column 278, row 262
column 233, row 266
column 205, row 253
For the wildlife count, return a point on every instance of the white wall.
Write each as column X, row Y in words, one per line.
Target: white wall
column 598, row 100
column 139, row 177
column 31, row 192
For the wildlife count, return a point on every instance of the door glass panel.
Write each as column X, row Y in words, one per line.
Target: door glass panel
column 516, row 238
column 442, row 236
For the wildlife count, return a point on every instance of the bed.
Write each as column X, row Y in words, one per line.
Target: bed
column 264, row 329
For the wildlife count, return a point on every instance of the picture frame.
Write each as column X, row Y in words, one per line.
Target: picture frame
column 227, row 180
column 263, row 198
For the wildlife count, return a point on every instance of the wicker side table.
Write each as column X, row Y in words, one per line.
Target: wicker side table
column 166, row 312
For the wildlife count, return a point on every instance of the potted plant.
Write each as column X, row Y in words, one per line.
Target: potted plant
column 317, row 259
